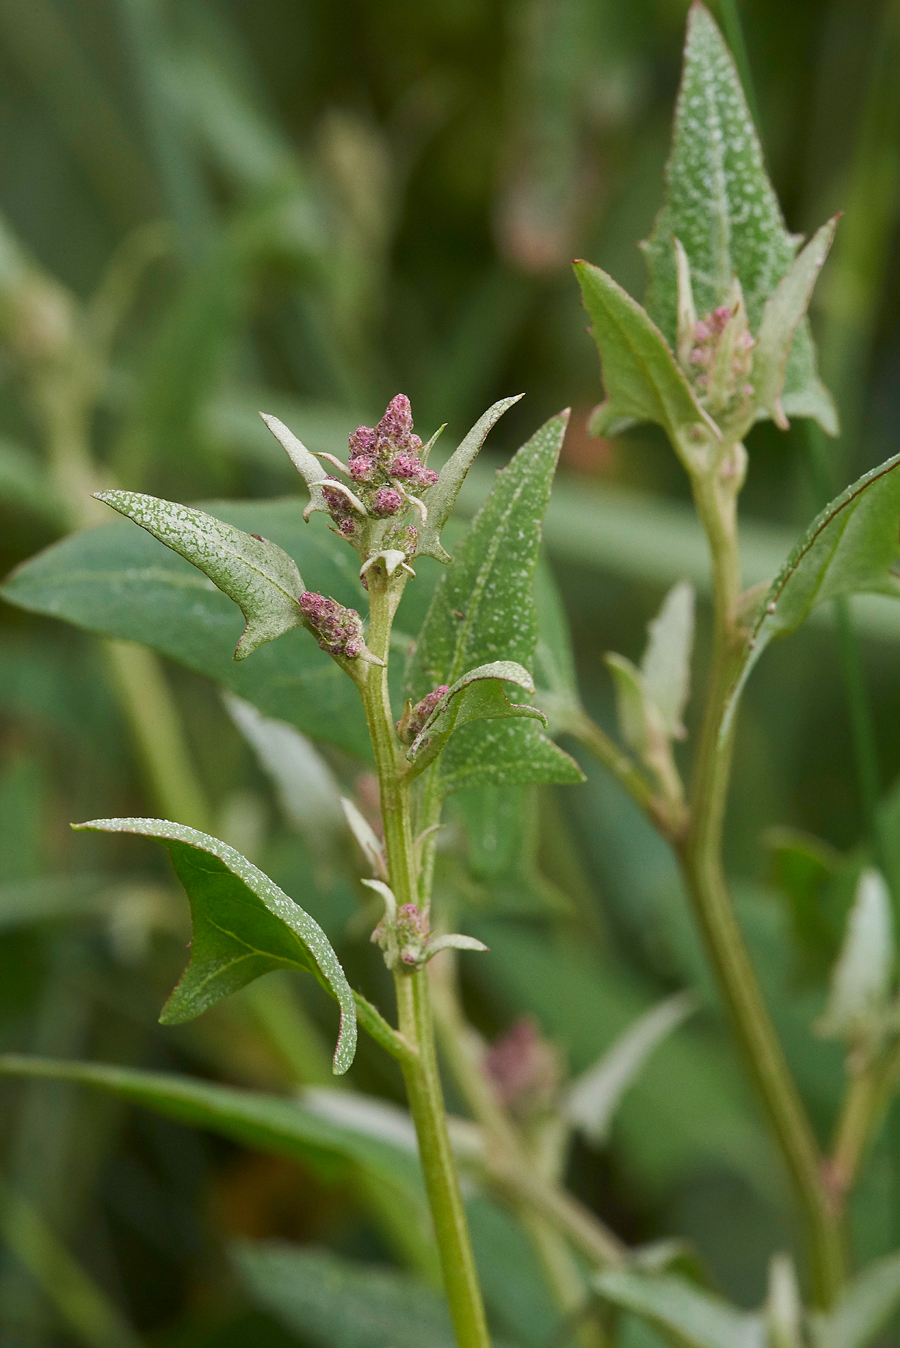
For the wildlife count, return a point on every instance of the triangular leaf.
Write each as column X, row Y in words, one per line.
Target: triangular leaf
column 307, row 465
column 850, row 548
column 244, row 926
column 120, row 582
column 483, row 610
column 441, row 498
column 722, row 208
column 640, row 374
column 258, row 575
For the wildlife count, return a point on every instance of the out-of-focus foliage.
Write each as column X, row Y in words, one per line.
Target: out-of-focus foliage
column 210, row 209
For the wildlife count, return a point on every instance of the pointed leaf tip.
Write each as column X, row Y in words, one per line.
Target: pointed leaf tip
column 244, row 926
column 258, row 575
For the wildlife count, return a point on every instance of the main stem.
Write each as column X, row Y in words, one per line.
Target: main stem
column 423, row 1083
column 700, row 853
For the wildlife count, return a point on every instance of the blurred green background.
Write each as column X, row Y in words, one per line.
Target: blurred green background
column 307, row 207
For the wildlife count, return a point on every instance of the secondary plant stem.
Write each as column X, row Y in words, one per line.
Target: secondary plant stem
column 420, row 1069
column 700, row 853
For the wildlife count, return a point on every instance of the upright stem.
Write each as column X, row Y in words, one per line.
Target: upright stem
column 700, row 854
column 420, row 1072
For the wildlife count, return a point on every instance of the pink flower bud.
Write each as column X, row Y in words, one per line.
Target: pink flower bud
column 338, row 630
column 386, row 501
column 362, row 468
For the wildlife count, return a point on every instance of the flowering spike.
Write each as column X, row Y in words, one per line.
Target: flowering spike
column 338, row 630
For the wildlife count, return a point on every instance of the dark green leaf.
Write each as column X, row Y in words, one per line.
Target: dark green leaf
column 483, row 610
column 850, row 548
column 258, row 575
column 338, row 1303
column 640, row 374
column 691, row 1317
column 244, row 926
column 119, row 581
column 441, row 498
column 722, row 208
column 25, row 485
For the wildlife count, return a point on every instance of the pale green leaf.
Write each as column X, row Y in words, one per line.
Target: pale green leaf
column 477, row 696
column 852, row 547
column 864, row 1309
column 244, row 926
column 258, row 575
column 592, row 1098
column 722, row 208
column 119, row 581
column 689, row 1316
column 861, row 979
column 483, row 610
column 782, row 314
column 441, row 498
column 554, row 660
column 307, row 465
column 642, row 379
column 307, row 791
column 338, row 1303
column 666, row 665
column 783, row 1311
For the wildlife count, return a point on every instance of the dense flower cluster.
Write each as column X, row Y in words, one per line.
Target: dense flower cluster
column 385, row 467
column 414, row 719
column 338, row 630
column 709, row 335
column 523, row 1069
column 406, row 936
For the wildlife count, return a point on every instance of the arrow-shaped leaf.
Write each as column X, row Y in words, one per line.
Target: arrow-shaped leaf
column 850, row 548
column 244, row 926
column 642, row 379
column 258, row 575
column 477, row 696
column 441, row 498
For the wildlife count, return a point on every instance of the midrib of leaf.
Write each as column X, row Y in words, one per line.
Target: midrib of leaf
column 472, row 609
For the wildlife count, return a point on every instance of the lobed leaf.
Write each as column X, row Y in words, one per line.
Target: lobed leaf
column 686, row 1314
column 722, row 208
column 850, row 548
column 120, row 582
column 642, row 379
column 441, row 498
column 258, row 575
column 483, row 610
column 244, row 926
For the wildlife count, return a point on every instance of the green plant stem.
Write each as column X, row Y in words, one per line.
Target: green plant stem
column 420, row 1072
column 659, row 811
column 700, row 853
column 864, row 1106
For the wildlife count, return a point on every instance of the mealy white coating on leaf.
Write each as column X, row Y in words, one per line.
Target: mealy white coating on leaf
column 258, row 575
column 666, row 665
column 307, row 464
column 723, row 209
column 861, row 978
column 305, row 928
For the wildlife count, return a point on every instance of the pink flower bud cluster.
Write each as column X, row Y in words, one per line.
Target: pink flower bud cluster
column 408, row 933
column 381, row 457
column 708, row 335
column 338, row 630
column 413, row 722
column 523, row 1069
